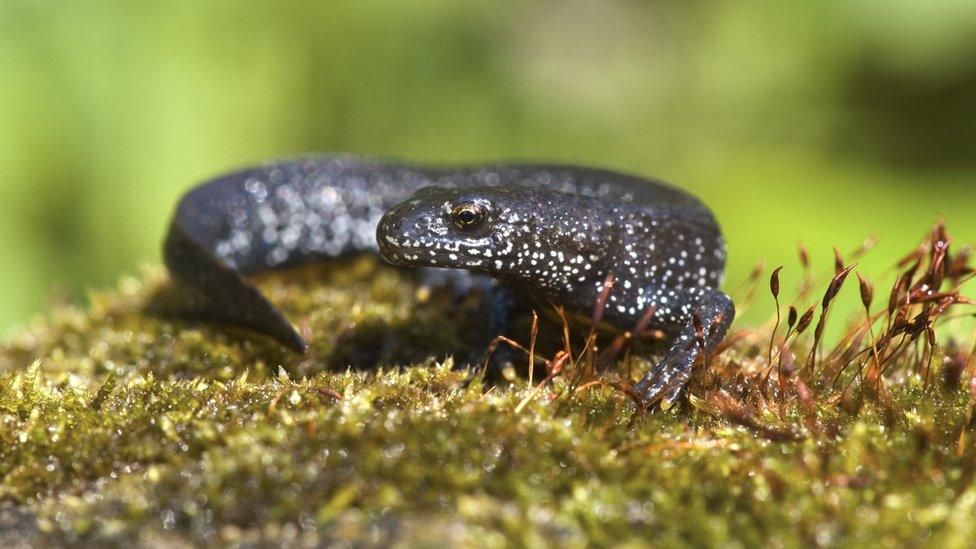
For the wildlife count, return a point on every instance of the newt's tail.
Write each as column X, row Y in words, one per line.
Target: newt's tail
column 281, row 214
column 212, row 291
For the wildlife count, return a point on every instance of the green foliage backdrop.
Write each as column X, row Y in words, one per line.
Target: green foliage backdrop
column 817, row 121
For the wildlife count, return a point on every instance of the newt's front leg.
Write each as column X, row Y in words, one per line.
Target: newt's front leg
column 715, row 312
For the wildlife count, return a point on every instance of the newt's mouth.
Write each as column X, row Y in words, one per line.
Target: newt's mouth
column 405, row 252
column 396, row 253
column 408, row 249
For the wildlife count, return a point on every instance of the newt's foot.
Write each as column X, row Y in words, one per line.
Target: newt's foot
column 698, row 339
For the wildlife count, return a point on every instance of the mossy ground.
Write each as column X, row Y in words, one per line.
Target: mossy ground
column 121, row 426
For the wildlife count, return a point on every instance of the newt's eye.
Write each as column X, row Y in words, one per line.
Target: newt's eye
column 468, row 216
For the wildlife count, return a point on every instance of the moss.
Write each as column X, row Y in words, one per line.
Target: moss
column 123, row 426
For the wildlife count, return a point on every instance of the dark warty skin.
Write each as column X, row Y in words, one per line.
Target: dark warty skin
column 551, row 233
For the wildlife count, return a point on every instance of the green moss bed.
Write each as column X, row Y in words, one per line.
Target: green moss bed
column 119, row 424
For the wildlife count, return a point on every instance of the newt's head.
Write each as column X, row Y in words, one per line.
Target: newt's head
column 474, row 228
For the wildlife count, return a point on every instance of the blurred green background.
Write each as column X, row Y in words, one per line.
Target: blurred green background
column 824, row 122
